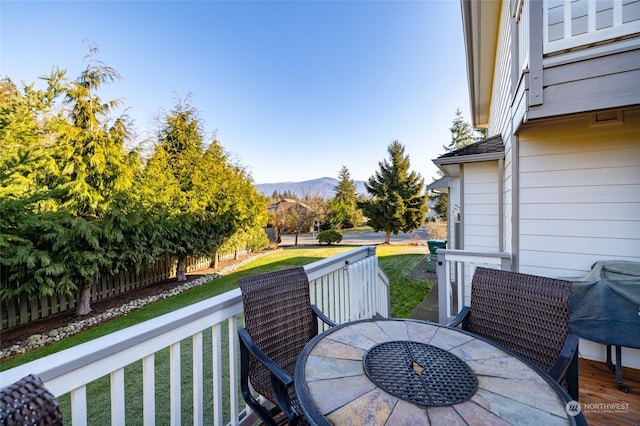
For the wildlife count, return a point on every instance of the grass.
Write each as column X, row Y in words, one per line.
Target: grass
column 406, row 293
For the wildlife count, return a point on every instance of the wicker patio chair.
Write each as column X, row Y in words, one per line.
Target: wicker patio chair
column 528, row 314
column 28, row 402
column 279, row 320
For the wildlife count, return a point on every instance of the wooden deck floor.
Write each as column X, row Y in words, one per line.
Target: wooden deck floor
column 602, row 402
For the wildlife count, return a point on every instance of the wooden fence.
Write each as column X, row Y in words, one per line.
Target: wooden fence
column 21, row 310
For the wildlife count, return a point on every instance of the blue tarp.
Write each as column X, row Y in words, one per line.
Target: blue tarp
column 605, row 305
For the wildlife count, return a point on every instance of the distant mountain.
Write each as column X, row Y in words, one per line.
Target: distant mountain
column 322, row 187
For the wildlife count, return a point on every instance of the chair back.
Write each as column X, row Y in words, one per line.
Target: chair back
column 279, row 319
column 528, row 314
column 28, row 402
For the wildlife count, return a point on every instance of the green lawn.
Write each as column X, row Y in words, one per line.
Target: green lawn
column 406, row 293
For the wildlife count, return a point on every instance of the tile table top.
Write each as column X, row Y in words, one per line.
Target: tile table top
column 334, row 388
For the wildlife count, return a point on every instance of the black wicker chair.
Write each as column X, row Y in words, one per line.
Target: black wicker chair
column 28, row 402
column 528, row 314
column 279, row 320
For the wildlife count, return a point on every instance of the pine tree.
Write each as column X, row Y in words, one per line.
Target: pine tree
column 344, row 212
column 397, row 203
column 462, row 134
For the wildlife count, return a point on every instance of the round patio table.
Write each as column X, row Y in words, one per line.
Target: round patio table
column 395, row 371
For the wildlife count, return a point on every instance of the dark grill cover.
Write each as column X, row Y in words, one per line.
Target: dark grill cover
column 605, row 305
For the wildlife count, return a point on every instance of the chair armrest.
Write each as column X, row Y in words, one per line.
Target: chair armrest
column 569, row 350
column 322, row 316
column 462, row 316
column 567, row 366
column 274, row 368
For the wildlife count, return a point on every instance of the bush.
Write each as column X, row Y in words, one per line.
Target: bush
column 257, row 239
column 329, row 237
column 437, row 230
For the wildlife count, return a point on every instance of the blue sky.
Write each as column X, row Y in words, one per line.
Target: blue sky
column 294, row 90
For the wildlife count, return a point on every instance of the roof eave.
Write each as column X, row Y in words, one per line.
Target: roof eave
column 468, row 158
column 480, row 24
column 440, row 186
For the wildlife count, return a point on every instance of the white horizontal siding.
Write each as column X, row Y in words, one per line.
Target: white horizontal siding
column 556, row 265
column 481, row 209
column 589, row 160
column 595, row 212
column 454, row 203
column 579, row 195
column 481, row 200
column 594, row 248
column 621, row 175
column 582, row 194
column 484, row 209
column 622, row 229
column 501, row 90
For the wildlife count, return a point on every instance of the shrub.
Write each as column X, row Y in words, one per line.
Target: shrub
column 329, row 237
column 437, row 230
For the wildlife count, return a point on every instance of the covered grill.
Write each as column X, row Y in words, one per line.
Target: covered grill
column 605, row 308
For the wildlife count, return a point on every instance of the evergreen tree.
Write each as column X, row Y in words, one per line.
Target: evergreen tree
column 172, row 166
column 77, row 166
column 201, row 199
column 27, row 231
column 397, row 203
column 462, row 134
column 233, row 207
column 343, row 209
column 250, row 212
column 29, row 213
column 97, row 169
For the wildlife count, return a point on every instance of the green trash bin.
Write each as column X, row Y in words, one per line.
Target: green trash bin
column 432, row 260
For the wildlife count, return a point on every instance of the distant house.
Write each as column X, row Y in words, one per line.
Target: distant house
column 282, row 209
column 557, row 185
column 284, row 205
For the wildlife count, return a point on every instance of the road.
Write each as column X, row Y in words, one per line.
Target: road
column 418, row 237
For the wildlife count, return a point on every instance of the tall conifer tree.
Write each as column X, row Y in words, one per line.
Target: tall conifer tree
column 397, row 202
column 344, row 211
column 86, row 168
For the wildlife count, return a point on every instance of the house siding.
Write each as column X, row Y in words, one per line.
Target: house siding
column 503, row 119
column 592, row 83
column 571, row 179
column 481, row 208
column 579, row 200
column 454, row 200
column 501, row 96
column 579, row 194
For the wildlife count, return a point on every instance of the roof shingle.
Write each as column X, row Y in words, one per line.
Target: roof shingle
column 490, row 145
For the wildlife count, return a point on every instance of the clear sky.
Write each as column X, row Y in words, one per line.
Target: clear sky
column 294, row 90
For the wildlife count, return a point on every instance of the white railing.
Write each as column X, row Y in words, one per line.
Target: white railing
column 207, row 331
column 570, row 24
column 350, row 286
column 454, row 270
